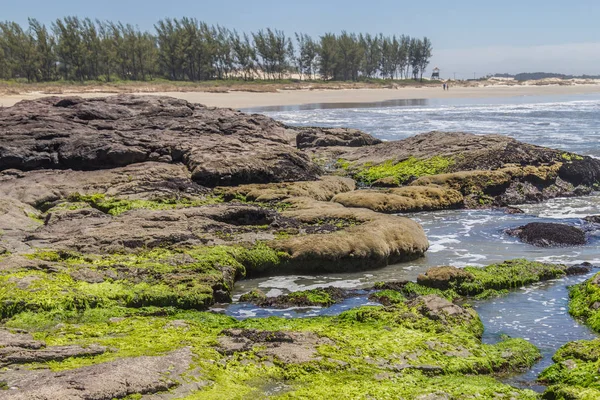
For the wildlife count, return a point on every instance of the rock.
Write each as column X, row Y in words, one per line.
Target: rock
column 372, row 239
column 116, row 379
column 544, row 234
column 218, row 146
column 286, row 347
column 439, row 309
column 322, row 190
column 444, row 277
column 402, row 200
column 579, row 269
column 19, row 355
column 19, row 339
column 496, row 166
column 149, row 180
column 594, row 219
column 254, row 296
column 323, row 297
column 326, row 137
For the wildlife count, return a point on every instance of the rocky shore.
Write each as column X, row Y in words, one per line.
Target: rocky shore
column 123, row 219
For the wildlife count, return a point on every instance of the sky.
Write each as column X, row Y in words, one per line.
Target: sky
column 469, row 37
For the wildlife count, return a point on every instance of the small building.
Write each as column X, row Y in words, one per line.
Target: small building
column 436, row 73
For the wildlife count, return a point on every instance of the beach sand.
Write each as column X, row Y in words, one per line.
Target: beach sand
column 297, row 97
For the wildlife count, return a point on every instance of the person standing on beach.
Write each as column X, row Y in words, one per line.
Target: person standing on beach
column 444, row 85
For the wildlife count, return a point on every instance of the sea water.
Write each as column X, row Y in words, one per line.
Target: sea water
column 539, row 312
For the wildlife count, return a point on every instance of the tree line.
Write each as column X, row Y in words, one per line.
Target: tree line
column 80, row 49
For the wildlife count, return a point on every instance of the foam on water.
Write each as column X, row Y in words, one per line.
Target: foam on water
column 571, row 123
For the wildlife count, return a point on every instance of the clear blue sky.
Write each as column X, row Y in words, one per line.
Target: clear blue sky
column 452, row 25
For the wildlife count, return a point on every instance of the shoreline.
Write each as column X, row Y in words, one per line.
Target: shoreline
column 244, row 100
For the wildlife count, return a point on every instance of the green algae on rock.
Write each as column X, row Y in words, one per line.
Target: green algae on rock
column 585, row 302
column 401, row 351
column 576, row 372
column 471, row 281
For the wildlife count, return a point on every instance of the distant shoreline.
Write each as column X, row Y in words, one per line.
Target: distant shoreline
column 234, row 98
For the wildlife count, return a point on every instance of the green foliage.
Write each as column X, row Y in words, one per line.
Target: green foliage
column 403, row 170
column 80, row 50
column 115, row 206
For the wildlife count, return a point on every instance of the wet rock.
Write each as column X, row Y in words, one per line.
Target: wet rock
column 327, row 137
column 255, row 296
column 579, row 269
column 444, row 277
column 287, row 347
column 594, row 219
column 544, row 234
column 218, row 146
column 116, row 379
column 323, row 297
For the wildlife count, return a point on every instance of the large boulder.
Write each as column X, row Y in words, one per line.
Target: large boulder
column 545, row 234
column 218, row 146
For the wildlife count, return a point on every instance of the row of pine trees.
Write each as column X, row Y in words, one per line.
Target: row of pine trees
column 186, row 49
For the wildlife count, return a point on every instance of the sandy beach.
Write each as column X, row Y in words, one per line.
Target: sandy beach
column 235, row 99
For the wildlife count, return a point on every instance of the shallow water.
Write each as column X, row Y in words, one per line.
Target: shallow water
column 538, row 313
column 471, row 237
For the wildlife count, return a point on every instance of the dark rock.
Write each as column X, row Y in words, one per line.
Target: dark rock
column 218, row 146
column 513, row 210
column 317, row 297
column 581, row 171
column 326, row 137
column 579, row 269
column 594, row 219
column 545, row 234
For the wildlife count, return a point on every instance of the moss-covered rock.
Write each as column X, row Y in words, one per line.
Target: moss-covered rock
column 399, row 351
column 576, row 372
column 402, row 200
column 471, row 281
column 585, row 302
column 377, row 240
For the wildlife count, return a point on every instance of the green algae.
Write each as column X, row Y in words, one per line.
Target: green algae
column 585, row 302
column 403, row 170
column 493, row 279
column 373, row 351
column 186, row 279
column 115, row 206
column 576, row 372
